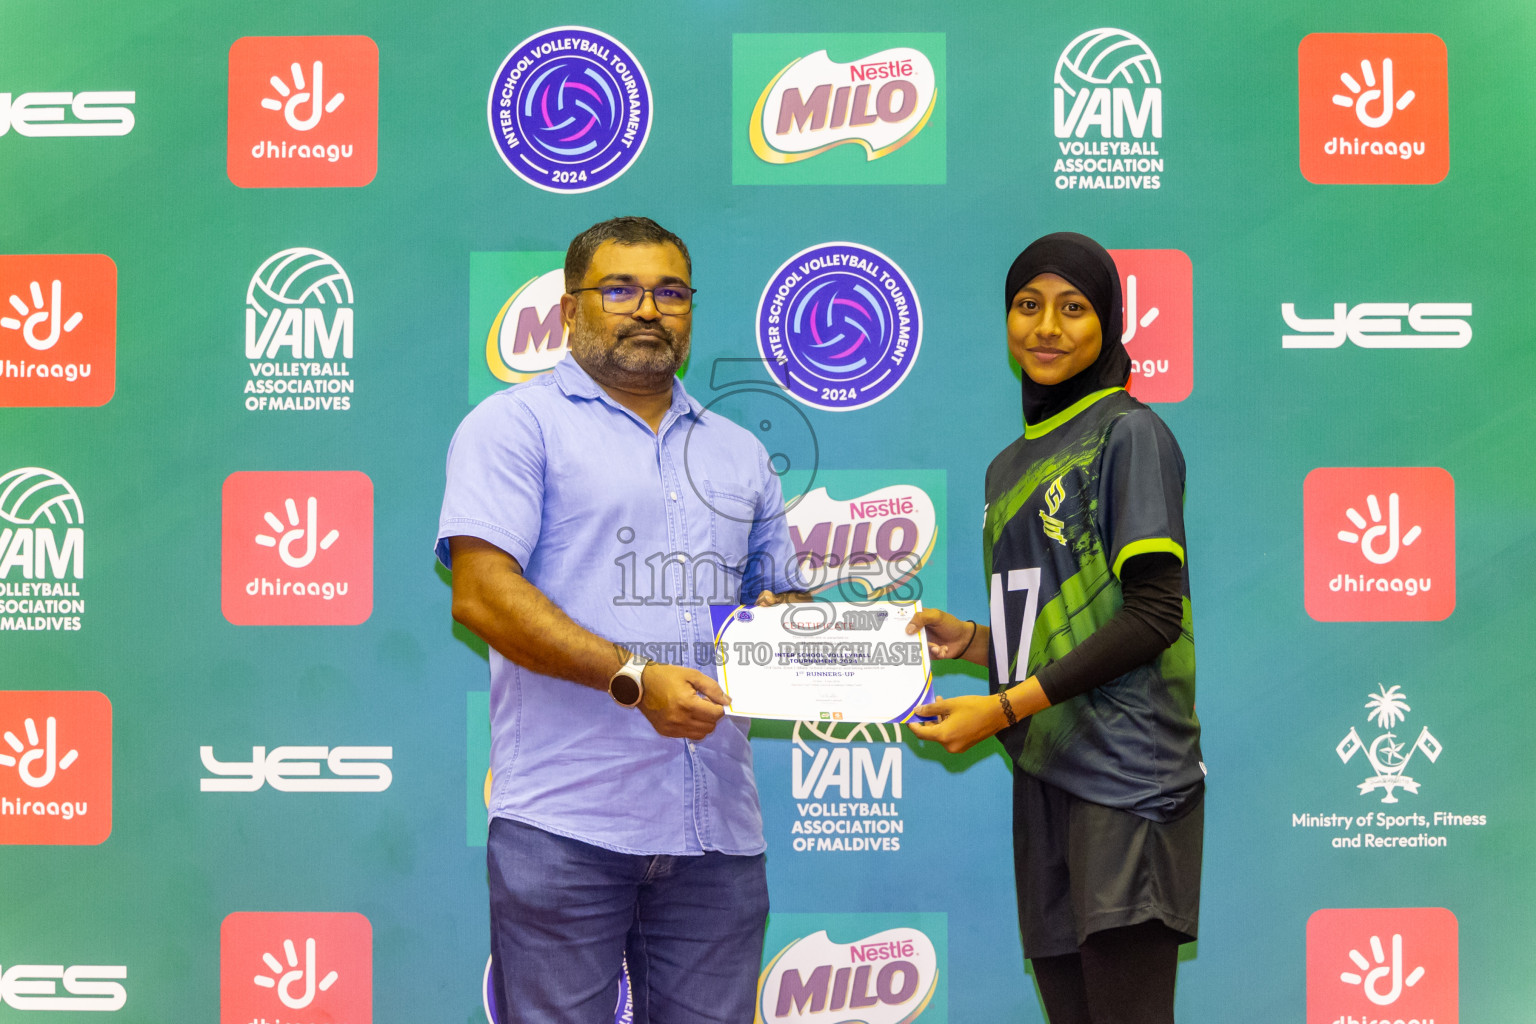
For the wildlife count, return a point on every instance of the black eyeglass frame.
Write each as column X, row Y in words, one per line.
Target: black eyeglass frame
column 640, row 298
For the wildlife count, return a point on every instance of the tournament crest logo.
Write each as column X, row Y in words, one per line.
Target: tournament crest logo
column 569, row 109
column 1385, row 753
column 839, row 326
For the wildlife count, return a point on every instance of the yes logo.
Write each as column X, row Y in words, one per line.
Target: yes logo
column 1382, row 964
column 889, row 969
column 1380, row 325
column 86, row 987
column 66, row 114
column 58, row 330
column 515, row 331
column 303, row 111
column 1159, row 294
column 271, row 964
column 1373, row 108
column 1380, row 544
column 55, row 767
column 871, row 114
column 298, row 549
column 297, row 770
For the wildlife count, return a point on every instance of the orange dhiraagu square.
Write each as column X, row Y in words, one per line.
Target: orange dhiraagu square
column 1158, row 289
column 303, row 967
column 1379, row 544
column 298, row 548
column 55, row 767
column 1382, row 964
column 58, row 330
column 303, row 111
column 1373, row 108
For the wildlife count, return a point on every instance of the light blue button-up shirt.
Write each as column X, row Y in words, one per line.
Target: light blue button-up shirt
column 633, row 534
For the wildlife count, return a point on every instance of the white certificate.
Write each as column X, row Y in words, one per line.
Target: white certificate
column 822, row 661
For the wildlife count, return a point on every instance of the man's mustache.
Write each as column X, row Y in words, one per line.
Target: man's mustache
column 660, row 330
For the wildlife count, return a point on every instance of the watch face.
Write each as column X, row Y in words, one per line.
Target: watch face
column 625, row 690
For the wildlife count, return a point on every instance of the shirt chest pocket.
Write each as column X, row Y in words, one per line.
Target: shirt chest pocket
column 732, row 509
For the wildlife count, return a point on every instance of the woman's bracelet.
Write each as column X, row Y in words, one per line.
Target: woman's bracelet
column 969, row 639
column 1002, row 697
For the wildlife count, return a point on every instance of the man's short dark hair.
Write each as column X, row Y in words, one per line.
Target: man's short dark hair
column 624, row 231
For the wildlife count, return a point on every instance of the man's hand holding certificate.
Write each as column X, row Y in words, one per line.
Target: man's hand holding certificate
column 822, row 660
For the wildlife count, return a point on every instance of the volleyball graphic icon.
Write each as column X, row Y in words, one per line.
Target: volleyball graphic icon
column 1106, row 56
column 34, row 495
column 297, row 277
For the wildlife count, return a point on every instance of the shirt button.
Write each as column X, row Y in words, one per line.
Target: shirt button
column 687, row 616
column 673, row 495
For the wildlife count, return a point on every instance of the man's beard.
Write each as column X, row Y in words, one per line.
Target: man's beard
column 627, row 364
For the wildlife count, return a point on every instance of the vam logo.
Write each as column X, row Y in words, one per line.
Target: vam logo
column 866, row 547
column 839, row 326
column 271, row 964
column 1373, row 108
column 56, row 115
column 303, row 111
column 1159, row 290
column 55, row 767
column 58, row 330
column 1108, row 113
column 1380, row 544
column 569, row 109
column 846, row 779
column 882, row 975
column 1380, row 325
column 42, row 552
column 297, row 770
column 1382, row 966
column 1385, row 753
column 298, row 548
column 298, row 308
column 87, row 987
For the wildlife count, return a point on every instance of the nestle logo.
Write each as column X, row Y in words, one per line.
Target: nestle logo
column 905, row 949
column 879, row 509
column 880, row 69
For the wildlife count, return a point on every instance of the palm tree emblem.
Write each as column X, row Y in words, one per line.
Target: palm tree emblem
column 1386, row 708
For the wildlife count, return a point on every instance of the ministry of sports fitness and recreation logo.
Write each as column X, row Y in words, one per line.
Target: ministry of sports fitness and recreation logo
column 298, row 548
column 1380, row 544
column 854, row 969
column 1382, row 966
column 1380, row 325
column 272, row 965
column 839, row 326
column 42, row 552
column 1159, row 333
column 515, row 329
column 55, row 767
column 873, row 103
column 569, row 109
column 873, row 543
column 58, row 330
column 55, row 115
column 1374, row 108
column 299, row 334
column 303, row 111
column 1108, row 113
column 1387, row 754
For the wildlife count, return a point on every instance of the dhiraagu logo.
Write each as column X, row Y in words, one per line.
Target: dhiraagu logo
column 515, row 332
column 855, row 969
column 854, row 108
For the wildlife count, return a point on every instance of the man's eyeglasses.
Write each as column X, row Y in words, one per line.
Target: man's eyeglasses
column 671, row 299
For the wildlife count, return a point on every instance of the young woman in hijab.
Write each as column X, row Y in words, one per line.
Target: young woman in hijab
column 1090, row 654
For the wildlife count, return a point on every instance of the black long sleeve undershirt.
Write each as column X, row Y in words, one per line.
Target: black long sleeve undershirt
column 1147, row 624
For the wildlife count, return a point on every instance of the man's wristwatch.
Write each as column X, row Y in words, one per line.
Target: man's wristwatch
column 626, row 685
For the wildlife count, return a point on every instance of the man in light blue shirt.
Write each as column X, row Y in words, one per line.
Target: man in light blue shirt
column 591, row 517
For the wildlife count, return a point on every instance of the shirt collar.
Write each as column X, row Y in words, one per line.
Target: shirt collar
column 577, row 383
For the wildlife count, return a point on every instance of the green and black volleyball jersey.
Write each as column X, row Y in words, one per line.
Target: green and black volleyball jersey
column 1067, row 504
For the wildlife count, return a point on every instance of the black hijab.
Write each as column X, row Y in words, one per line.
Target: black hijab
column 1083, row 262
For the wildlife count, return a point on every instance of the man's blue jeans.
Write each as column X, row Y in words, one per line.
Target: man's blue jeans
column 565, row 914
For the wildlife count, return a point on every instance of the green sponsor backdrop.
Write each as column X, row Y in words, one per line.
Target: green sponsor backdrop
column 1278, row 690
